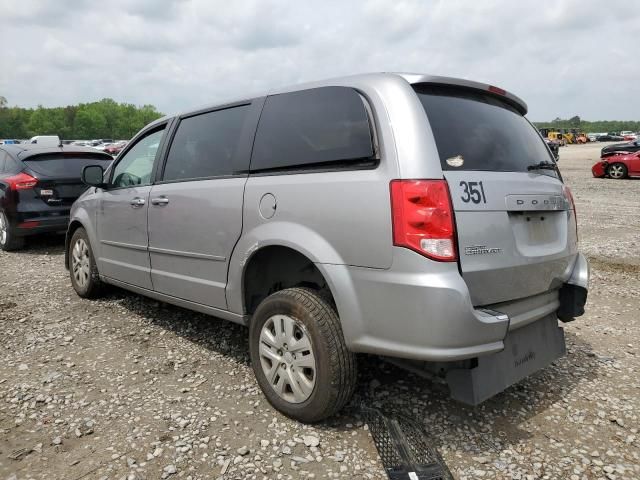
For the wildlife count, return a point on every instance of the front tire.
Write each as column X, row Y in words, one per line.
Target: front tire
column 8, row 240
column 82, row 266
column 617, row 171
column 299, row 355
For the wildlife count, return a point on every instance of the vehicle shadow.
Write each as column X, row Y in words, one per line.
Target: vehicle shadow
column 214, row 334
column 494, row 425
column 45, row 243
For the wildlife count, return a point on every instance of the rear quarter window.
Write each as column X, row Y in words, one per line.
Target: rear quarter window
column 67, row 166
column 480, row 131
column 312, row 128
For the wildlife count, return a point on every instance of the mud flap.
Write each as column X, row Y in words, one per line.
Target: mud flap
column 526, row 351
column 404, row 447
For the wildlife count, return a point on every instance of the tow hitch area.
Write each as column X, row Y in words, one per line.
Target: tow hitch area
column 526, row 351
column 404, row 447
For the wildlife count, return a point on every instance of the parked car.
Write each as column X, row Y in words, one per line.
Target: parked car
column 554, row 147
column 610, row 137
column 45, row 140
column 633, row 146
column 593, row 137
column 410, row 216
column 618, row 166
column 8, row 141
column 115, row 148
column 102, row 146
column 37, row 187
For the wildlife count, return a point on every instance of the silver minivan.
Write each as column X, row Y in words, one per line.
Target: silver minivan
column 416, row 217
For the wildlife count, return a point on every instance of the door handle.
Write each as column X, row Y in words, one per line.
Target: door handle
column 160, row 201
column 137, row 202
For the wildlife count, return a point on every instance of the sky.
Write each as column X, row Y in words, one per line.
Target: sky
column 564, row 58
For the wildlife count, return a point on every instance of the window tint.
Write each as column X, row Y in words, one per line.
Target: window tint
column 68, row 166
column 312, row 127
column 205, row 145
column 135, row 167
column 481, row 130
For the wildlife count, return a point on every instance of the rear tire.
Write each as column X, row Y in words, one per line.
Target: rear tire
column 617, row 171
column 308, row 383
column 83, row 270
column 8, row 239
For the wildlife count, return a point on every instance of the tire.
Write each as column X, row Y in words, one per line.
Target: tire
column 8, row 240
column 82, row 266
column 329, row 379
column 617, row 171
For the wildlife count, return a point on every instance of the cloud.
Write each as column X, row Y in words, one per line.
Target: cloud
column 572, row 58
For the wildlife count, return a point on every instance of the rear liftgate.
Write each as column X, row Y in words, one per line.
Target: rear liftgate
column 404, row 448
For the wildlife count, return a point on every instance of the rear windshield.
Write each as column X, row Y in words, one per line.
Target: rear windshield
column 477, row 131
column 67, row 166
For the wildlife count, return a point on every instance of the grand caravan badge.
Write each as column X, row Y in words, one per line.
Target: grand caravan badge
column 481, row 250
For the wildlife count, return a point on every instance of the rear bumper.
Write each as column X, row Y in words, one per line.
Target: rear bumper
column 39, row 222
column 408, row 313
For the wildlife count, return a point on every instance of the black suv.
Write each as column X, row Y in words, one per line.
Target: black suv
column 37, row 187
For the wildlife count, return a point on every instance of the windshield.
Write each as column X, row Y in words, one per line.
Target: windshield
column 478, row 131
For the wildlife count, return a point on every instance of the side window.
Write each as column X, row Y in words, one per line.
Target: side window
column 135, row 167
column 205, row 145
column 312, row 128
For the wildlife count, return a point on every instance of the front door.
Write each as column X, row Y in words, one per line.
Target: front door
column 122, row 214
column 195, row 209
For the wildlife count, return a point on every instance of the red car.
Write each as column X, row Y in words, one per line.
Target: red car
column 617, row 166
column 115, row 148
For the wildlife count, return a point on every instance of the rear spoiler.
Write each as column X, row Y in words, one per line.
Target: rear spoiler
column 27, row 155
column 498, row 92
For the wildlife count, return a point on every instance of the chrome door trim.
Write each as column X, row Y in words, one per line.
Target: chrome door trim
column 179, row 253
column 124, row 245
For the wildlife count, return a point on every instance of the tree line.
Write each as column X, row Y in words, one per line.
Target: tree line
column 109, row 119
column 599, row 126
column 103, row 119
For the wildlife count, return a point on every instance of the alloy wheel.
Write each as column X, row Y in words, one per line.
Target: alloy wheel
column 287, row 358
column 3, row 229
column 616, row 171
column 80, row 262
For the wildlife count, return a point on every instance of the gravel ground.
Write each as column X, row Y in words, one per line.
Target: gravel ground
column 129, row 388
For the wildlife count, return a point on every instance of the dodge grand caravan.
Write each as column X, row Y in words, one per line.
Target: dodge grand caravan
column 415, row 217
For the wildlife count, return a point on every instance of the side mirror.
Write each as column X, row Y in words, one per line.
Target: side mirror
column 93, row 175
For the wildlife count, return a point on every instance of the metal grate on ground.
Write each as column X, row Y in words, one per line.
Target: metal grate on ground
column 404, row 447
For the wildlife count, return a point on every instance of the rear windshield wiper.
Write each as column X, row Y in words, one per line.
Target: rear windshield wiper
column 542, row 166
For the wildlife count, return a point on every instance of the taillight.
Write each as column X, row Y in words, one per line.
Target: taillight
column 423, row 218
column 21, row 181
column 567, row 193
